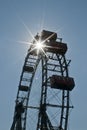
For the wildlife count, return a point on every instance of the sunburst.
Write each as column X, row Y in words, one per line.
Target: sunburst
column 38, row 45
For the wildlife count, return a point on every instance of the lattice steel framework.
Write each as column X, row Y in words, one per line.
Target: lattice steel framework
column 52, row 108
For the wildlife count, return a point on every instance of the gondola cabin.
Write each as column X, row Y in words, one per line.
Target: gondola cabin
column 61, row 82
column 48, row 35
column 56, row 47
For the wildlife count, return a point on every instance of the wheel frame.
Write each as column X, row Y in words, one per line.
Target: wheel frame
column 43, row 120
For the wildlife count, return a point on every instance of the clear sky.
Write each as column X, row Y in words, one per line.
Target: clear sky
column 69, row 19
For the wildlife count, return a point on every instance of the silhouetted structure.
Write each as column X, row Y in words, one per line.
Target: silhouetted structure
column 55, row 79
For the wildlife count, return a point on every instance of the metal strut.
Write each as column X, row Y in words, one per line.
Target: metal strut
column 24, row 88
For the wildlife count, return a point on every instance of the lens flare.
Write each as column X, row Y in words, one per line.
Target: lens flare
column 39, row 45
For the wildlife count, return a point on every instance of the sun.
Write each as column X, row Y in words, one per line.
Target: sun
column 39, row 45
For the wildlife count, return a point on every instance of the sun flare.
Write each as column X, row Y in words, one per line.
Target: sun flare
column 39, row 45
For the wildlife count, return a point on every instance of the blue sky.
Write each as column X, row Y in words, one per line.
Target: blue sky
column 69, row 19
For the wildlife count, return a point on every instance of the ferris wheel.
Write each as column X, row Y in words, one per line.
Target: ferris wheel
column 43, row 97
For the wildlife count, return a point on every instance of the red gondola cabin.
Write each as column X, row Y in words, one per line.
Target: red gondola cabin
column 61, row 82
column 56, row 47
